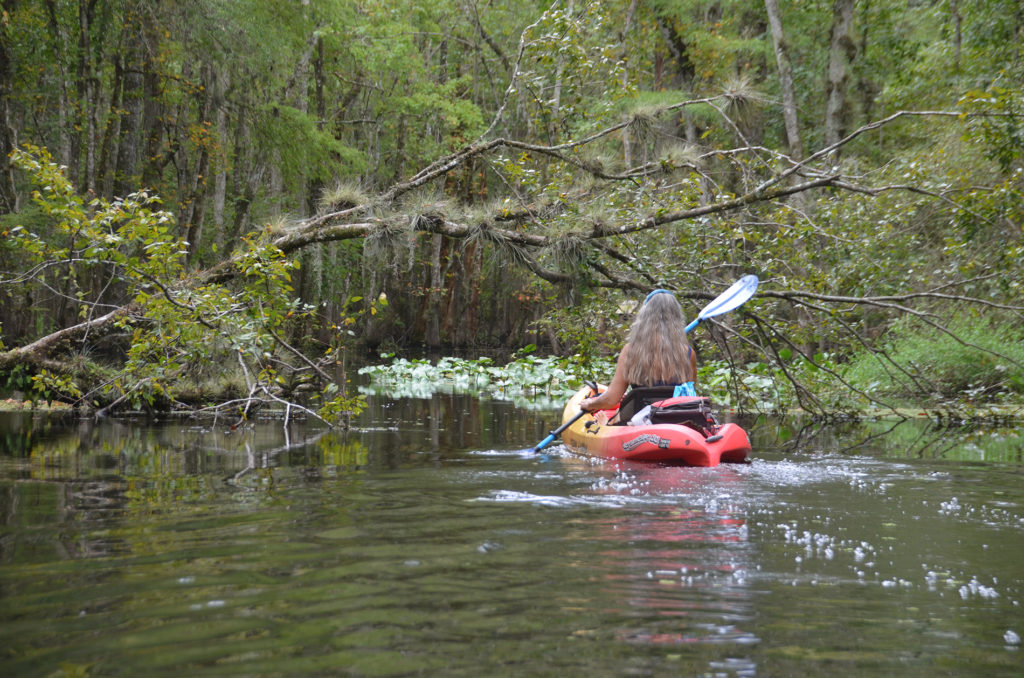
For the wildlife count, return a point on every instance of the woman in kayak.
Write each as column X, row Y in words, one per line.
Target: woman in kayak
column 657, row 353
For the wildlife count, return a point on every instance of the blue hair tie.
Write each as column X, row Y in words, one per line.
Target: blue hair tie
column 655, row 292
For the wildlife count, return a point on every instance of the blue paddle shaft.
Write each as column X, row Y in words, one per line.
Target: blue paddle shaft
column 557, row 432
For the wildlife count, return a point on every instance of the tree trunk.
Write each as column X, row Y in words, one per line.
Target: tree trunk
column 789, row 107
column 101, row 101
column 841, row 52
column 64, row 124
column 181, row 119
column 8, row 139
column 86, row 87
column 111, row 136
column 954, row 11
column 199, row 184
column 867, row 89
column 192, row 181
column 685, row 69
column 434, row 293
column 126, row 173
column 247, row 175
column 220, row 178
column 153, row 124
column 556, row 97
column 627, row 150
column 316, row 186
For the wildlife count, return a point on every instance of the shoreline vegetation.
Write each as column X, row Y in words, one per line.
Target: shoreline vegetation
column 546, row 382
column 222, row 212
column 945, row 415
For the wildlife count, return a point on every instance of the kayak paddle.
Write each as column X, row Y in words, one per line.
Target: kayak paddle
column 558, row 431
column 732, row 298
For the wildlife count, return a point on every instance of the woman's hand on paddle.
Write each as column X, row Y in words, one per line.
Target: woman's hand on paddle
column 586, row 403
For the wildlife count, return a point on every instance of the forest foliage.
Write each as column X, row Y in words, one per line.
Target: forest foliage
column 243, row 197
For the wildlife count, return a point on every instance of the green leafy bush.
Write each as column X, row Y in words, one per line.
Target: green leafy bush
column 988, row 360
column 182, row 332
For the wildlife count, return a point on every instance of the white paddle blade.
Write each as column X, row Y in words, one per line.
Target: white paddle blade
column 733, row 297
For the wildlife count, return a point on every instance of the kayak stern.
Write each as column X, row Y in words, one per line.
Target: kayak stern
column 592, row 435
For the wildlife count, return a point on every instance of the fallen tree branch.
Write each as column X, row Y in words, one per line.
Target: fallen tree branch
column 37, row 352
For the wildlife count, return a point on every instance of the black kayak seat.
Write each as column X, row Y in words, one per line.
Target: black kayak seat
column 667, row 409
column 639, row 397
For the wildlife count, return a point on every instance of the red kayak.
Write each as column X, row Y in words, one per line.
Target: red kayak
column 680, row 431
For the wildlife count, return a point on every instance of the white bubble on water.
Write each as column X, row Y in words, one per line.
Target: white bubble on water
column 976, row 588
column 1011, row 637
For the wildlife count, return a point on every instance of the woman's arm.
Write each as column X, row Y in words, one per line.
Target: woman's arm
column 613, row 394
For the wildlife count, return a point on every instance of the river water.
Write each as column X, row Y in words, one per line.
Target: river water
column 425, row 541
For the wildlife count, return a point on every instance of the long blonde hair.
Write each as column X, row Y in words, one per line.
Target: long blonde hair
column 659, row 352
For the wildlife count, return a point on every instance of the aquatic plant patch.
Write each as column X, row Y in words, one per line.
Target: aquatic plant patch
column 529, row 375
